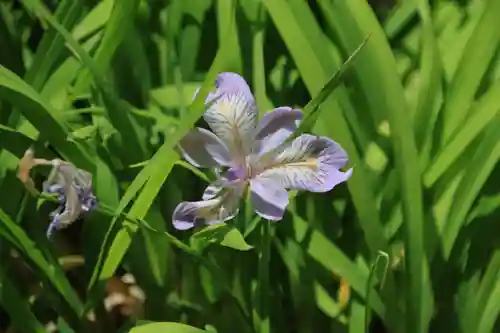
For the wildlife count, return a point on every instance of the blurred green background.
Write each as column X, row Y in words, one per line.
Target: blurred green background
column 409, row 244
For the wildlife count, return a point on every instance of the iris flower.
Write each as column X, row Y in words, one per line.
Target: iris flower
column 74, row 191
column 243, row 152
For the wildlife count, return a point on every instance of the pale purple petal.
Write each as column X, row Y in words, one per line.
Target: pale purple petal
column 67, row 213
column 187, row 214
column 216, row 210
column 269, row 198
column 309, row 163
column 234, row 116
column 212, row 191
column 202, row 148
column 229, row 83
column 275, row 127
column 233, row 83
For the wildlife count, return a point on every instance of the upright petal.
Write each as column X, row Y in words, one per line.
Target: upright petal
column 274, row 128
column 269, row 198
column 202, row 148
column 233, row 83
column 216, row 210
column 233, row 117
column 309, row 163
column 229, row 83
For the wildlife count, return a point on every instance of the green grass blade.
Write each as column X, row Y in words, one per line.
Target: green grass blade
column 430, row 81
column 331, row 257
column 166, row 327
column 117, row 109
column 400, row 17
column 485, row 160
column 52, row 271
column 151, row 178
column 314, row 72
column 42, row 116
column 375, row 62
column 491, row 310
column 52, row 44
column 18, row 308
column 226, row 22
column 475, row 310
column 482, row 114
column 473, row 65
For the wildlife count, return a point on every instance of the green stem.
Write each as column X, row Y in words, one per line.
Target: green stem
column 380, row 255
column 106, row 210
column 261, row 314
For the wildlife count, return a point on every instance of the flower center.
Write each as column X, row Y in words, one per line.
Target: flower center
column 234, row 174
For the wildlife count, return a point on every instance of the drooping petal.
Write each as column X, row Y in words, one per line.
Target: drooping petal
column 233, row 116
column 202, row 148
column 269, row 198
column 275, row 127
column 74, row 190
column 187, row 213
column 83, row 183
column 216, row 210
column 72, row 208
column 212, row 191
column 309, row 163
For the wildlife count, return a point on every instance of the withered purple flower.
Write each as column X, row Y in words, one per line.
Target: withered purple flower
column 242, row 150
column 74, row 191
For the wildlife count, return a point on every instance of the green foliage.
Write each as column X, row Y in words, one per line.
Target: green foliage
column 408, row 244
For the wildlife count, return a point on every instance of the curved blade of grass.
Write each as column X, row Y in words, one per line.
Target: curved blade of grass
column 18, row 309
column 401, row 16
column 321, row 249
column 41, row 115
column 118, row 111
column 191, row 34
column 313, row 108
column 55, row 89
column 294, row 259
column 116, row 29
column 475, row 310
column 94, row 20
column 355, row 19
column 485, row 160
column 430, row 81
column 476, row 57
column 14, row 141
column 491, row 311
column 481, row 116
column 151, row 179
column 52, row 271
column 52, row 44
column 311, row 67
column 308, row 53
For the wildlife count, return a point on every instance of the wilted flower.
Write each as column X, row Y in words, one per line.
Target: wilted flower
column 72, row 186
column 242, row 149
column 74, row 190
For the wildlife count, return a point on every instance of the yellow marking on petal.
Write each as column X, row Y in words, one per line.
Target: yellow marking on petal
column 311, row 163
column 224, row 108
